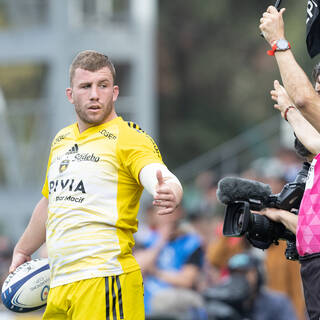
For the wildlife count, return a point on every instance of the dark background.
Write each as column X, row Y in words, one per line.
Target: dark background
column 214, row 73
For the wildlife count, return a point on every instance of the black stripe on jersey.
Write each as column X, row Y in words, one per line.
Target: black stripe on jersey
column 137, row 128
column 134, row 126
column 113, row 300
column 119, row 297
column 107, row 298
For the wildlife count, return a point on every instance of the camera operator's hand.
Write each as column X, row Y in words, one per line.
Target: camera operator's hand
column 272, row 25
column 281, row 97
column 288, row 219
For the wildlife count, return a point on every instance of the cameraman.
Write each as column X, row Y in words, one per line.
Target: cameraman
column 306, row 224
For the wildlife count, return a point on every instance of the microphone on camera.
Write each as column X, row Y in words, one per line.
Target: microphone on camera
column 232, row 189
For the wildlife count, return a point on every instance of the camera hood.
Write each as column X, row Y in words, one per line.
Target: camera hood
column 236, row 219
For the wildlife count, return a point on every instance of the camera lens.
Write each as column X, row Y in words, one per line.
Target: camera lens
column 240, row 220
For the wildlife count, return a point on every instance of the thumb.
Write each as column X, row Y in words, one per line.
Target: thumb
column 160, row 178
column 276, row 106
column 276, row 84
column 282, row 10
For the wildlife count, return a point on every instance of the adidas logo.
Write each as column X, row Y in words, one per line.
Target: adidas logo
column 74, row 149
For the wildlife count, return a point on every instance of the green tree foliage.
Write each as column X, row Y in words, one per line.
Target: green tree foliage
column 214, row 73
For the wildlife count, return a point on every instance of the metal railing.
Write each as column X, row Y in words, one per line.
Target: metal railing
column 235, row 155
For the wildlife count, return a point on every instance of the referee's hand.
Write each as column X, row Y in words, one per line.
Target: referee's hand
column 272, row 25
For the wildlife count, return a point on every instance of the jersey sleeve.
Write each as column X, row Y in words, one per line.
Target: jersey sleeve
column 138, row 150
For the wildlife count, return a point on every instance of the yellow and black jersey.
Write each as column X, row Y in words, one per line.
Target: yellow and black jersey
column 93, row 188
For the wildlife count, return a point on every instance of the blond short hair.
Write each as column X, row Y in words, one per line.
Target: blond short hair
column 92, row 61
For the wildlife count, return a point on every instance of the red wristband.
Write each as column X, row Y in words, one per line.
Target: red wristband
column 286, row 112
column 275, row 48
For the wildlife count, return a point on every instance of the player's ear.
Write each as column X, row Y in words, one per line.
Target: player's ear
column 69, row 94
column 115, row 92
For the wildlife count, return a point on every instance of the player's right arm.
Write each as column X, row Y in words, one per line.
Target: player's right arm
column 33, row 237
column 163, row 185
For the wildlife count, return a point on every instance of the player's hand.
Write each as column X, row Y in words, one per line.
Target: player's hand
column 17, row 260
column 272, row 25
column 165, row 198
column 281, row 97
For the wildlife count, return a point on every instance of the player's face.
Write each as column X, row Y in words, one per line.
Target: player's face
column 93, row 95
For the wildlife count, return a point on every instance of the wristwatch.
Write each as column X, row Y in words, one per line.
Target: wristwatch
column 279, row 45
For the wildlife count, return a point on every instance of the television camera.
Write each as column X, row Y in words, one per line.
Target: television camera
column 243, row 195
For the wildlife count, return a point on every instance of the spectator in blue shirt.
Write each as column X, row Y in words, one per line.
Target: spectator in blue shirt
column 171, row 263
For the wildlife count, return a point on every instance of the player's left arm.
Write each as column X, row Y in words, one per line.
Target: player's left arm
column 33, row 237
column 163, row 185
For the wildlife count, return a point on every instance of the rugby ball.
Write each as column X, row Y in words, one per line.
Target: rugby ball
column 27, row 288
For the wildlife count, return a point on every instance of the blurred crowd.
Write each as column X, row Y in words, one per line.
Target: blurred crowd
column 191, row 271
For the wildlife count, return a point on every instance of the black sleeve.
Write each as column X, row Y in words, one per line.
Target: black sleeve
column 196, row 258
